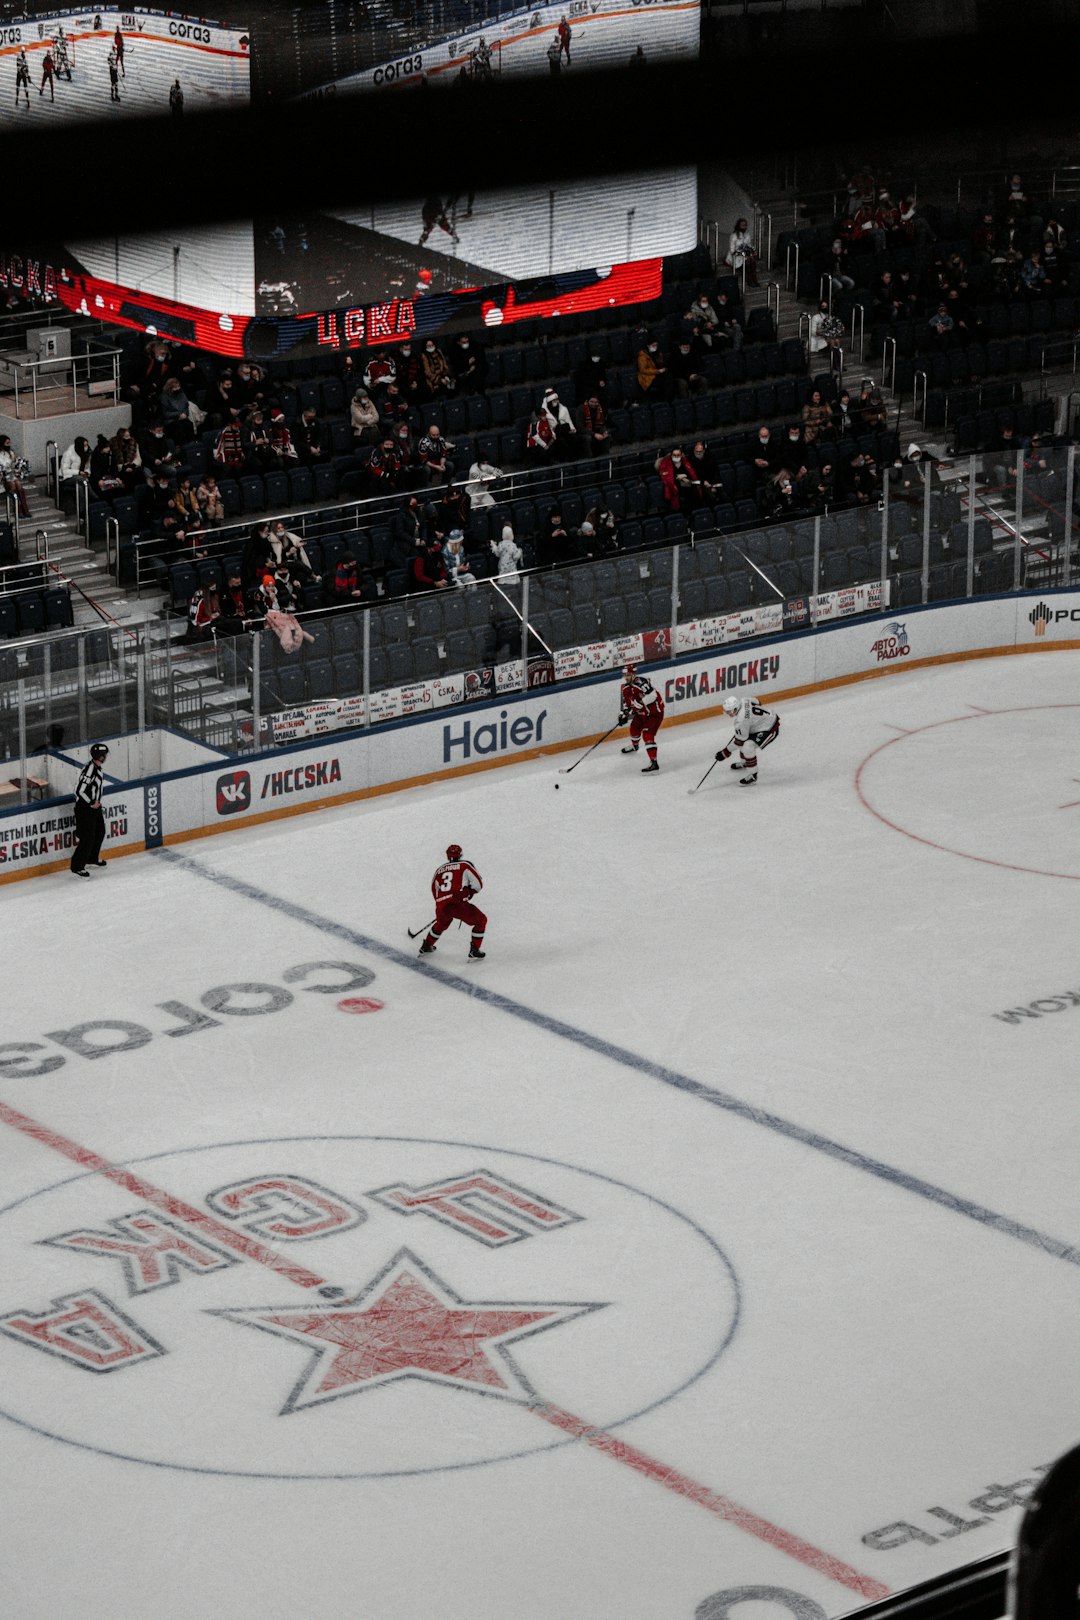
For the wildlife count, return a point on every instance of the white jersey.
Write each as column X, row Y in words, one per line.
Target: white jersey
column 752, row 720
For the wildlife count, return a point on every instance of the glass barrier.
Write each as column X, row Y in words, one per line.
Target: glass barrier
column 935, row 532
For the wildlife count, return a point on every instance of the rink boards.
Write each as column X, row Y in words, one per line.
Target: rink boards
column 604, row 33
column 199, row 801
column 211, row 62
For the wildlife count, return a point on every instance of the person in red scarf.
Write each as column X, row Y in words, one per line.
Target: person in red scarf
column 680, row 478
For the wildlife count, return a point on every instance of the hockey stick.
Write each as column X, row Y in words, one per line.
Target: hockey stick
column 420, row 931
column 712, row 767
column 588, row 751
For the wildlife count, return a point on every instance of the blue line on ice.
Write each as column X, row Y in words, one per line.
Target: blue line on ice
column 642, row 1065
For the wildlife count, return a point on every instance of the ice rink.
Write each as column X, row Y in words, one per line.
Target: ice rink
column 212, row 70
column 707, row 1249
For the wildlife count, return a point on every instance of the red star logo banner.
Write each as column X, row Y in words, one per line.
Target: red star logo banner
column 407, row 1323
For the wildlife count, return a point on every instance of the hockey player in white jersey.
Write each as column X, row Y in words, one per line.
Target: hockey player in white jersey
column 755, row 727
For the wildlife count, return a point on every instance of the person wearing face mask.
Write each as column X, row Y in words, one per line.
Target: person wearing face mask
column 434, row 453
column 364, row 417
column 680, row 478
column 561, row 423
column 379, row 373
column 794, row 449
column 653, row 379
column 410, row 375
column 590, row 378
column 469, row 364
column 767, row 454
column 437, row 373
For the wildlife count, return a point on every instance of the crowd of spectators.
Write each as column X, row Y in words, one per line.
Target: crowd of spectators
column 375, row 427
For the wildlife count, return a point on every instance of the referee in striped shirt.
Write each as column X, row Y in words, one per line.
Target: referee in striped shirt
column 89, row 817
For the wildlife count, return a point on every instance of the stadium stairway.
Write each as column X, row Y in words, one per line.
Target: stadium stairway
column 74, row 560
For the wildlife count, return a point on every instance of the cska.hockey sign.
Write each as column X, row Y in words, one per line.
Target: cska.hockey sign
column 373, row 323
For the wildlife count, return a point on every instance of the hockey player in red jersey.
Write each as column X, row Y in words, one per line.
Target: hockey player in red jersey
column 453, row 886
column 642, row 705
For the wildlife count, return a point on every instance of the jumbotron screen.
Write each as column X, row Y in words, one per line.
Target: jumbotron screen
column 69, row 66
column 357, row 275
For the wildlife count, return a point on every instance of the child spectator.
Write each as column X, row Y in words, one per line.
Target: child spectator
column 508, row 554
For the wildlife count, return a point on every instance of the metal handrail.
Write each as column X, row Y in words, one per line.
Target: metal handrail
column 772, row 301
column 372, row 511
column 13, row 519
column 1069, row 345
column 917, row 394
column 112, row 547
column 792, row 247
column 82, row 508
column 767, row 217
column 23, row 576
column 858, row 311
column 41, row 545
column 709, row 233
column 70, row 370
column 825, row 291
column 980, row 388
column 888, row 362
column 52, row 470
column 1064, row 174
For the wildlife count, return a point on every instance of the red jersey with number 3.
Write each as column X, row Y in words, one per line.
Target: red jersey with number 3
column 455, row 880
column 639, row 697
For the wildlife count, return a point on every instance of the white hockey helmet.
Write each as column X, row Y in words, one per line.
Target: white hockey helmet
column 731, row 705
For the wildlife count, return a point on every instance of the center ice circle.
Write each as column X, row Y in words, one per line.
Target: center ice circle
column 216, row 1400
column 1000, row 787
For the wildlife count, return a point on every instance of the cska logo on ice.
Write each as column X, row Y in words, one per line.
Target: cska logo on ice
column 893, row 644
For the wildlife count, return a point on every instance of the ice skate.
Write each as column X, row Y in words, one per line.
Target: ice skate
column 427, row 948
column 653, row 765
column 475, row 955
column 748, row 781
column 631, row 748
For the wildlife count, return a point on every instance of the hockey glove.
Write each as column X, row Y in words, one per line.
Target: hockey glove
column 623, row 718
column 723, row 754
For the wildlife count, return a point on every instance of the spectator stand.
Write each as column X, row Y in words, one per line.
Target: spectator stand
column 957, row 532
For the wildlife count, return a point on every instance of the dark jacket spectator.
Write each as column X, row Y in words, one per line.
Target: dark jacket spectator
column 427, row 570
column 469, row 365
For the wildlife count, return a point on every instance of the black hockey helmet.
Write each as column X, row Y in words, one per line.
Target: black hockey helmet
column 99, row 752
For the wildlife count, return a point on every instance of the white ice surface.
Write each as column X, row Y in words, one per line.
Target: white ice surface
column 210, row 75
column 539, row 231
column 786, row 946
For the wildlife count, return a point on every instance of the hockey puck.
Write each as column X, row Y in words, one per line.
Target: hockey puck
column 557, row 787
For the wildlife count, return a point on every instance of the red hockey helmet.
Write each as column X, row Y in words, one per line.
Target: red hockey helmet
column 453, row 852
column 630, row 671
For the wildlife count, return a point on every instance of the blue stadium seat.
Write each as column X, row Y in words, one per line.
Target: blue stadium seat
column 426, row 659
column 252, row 494
column 290, row 684
column 326, row 483
column 276, row 485
column 320, row 679
column 738, row 590
column 58, row 610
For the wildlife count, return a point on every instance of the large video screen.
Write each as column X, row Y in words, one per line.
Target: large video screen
column 76, row 65
column 295, row 283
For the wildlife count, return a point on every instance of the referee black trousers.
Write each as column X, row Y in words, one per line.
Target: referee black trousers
column 90, row 835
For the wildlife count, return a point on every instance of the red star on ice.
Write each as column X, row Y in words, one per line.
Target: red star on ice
column 406, row 1324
